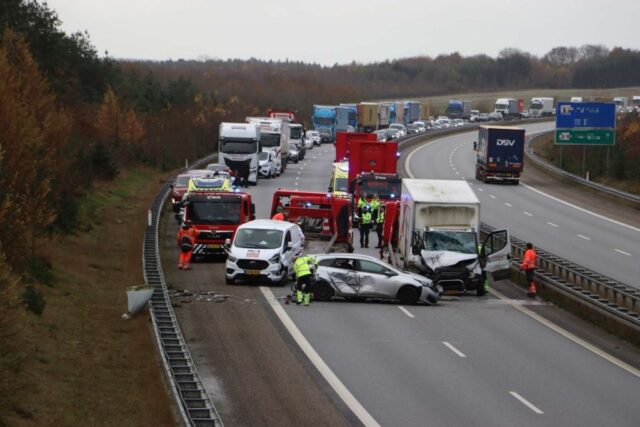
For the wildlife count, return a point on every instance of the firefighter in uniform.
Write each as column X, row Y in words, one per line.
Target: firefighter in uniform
column 186, row 240
column 529, row 264
column 279, row 215
column 380, row 224
column 304, row 278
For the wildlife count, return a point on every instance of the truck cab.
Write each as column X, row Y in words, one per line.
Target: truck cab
column 216, row 215
column 323, row 120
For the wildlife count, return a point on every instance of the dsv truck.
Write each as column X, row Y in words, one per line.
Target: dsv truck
column 500, row 155
column 439, row 235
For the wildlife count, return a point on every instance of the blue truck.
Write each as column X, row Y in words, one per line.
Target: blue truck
column 457, row 109
column 323, row 120
column 411, row 112
column 500, row 154
column 342, row 119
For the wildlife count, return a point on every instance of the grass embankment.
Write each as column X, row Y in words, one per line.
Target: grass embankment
column 572, row 162
column 485, row 101
column 83, row 364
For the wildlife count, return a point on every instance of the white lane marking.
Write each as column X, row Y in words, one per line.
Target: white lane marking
column 526, row 403
column 405, row 311
column 582, row 343
column 324, row 369
column 492, row 196
column 622, row 252
column 297, row 178
column 508, row 204
column 480, row 189
column 584, row 237
column 452, row 348
column 527, row 213
column 597, row 215
column 552, row 224
column 457, row 173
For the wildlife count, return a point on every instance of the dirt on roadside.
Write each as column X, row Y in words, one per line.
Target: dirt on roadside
column 84, row 364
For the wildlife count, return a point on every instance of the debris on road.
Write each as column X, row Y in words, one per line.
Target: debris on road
column 186, row 296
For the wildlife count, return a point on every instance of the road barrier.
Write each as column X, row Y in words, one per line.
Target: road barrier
column 532, row 156
column 195, row 406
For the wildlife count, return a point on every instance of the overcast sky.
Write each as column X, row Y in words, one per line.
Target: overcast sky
column 342, row 31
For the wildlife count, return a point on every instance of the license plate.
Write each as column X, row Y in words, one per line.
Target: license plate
column 213, row 246
column 252, row 272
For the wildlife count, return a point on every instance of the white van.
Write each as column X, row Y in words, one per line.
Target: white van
column 262, row 250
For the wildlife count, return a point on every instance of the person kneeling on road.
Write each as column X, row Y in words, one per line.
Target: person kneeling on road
column 304, row 278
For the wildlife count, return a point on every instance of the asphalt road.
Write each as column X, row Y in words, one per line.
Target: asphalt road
column 467, row 361
column 609, row 248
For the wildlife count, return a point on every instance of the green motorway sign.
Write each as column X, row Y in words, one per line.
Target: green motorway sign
column 585, row 137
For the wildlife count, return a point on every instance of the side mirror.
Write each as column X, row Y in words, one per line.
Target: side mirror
column 289, row 246
column 227, row 243
column 330, row 189
column 389, row 273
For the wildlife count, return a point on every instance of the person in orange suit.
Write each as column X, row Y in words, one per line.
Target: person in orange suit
column 186, row 240
column 279, row 215
column 529, row 264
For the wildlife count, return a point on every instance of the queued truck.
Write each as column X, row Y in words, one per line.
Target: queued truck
column 458, row 109
column 411, row 112
column 353, row 114
column 323, row 119
column 368, row 116
column 509, row 107
column 425, row 111
column 622, row 103
column 500, row 154
column 439, row 232
column 274, row 136
column 238, row 147
column 342, row 119
column 541, row 107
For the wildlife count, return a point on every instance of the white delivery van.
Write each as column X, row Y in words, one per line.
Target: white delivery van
column 262, row 250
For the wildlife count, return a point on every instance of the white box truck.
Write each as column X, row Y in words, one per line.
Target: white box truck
column 439, row 234
column 541, row 107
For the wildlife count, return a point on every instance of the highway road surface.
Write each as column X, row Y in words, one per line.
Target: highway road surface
column 467, row 361
column 603, row 244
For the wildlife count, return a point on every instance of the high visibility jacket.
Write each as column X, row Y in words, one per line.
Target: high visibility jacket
column 362, row 203
column 380, row 218
column 375, row 204
column 302, row 266
column 366, row 217
column 187, row 233
column 529, row 259
column 278, row 217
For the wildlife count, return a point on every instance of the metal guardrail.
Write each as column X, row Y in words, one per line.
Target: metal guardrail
column 531, row 155
column 195, row 406
column 610, row 297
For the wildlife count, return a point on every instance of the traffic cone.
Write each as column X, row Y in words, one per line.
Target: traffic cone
column 326, row 228
column 532, row 290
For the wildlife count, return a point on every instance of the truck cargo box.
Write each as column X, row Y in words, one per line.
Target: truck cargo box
column 500, row 154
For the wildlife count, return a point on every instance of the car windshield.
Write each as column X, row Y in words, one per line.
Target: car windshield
column 323, row 121
column 270, row 139
column 238, row 146
column 312, row 134
column 256, row 238
column 396, row 126
column 455, row 241
column 501, row 106
column 218, row 211
column 263, row 156
column 341, row 185
column 296, row 133
column 182, row 181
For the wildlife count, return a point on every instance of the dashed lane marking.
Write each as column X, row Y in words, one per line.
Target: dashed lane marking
column 527, row 213
column 552, row 224
column 492, row 196
column 508, row 204
column 324, row 369
column 526, row 403
column 405, row 311
column 622, row 252
column 452, row 348
column 584, row 237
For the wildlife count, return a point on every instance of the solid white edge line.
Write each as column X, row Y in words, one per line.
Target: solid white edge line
column 577, row 340
column 452, row 348
column 405, row 311
column 526, row 403
column 622, row 252
column 597, row 215
column 324, row 369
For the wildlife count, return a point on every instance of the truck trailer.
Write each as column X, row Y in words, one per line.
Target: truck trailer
column 411, row 112
column 457, row 109
column 541, row 107
column 439, row 235
column 323, row 120
column 500, row 154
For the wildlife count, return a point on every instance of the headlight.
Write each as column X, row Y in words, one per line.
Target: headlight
column 231, row 258
column 275, row 259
